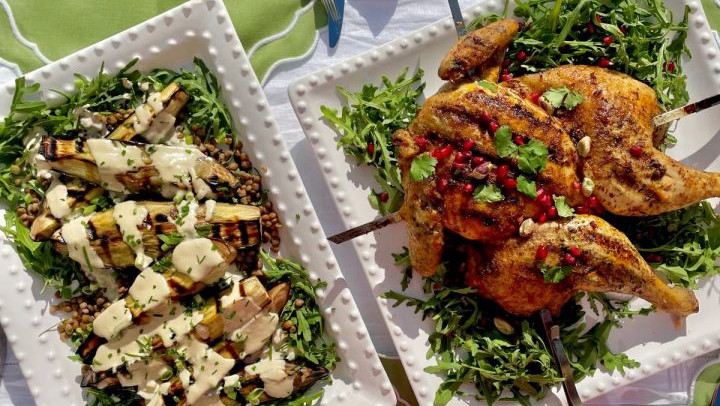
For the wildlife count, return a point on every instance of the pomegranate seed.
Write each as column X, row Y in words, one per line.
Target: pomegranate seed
column 384, row 197
column 437, row 154
column 510, row 183
column 506, row 77
column 652, row 257
column 623, row 29
column 592, row 202
column 370, row 148
column 598, row 19
column 477, row 160
column 518, row 140
column 545, row 200
column 493, row 126
column 446, row 151
column 458, row 165
column 605, row 63
column 541, row 253
column 521, row 56
column 485, row 117
column 552, row 212
column 468, row 188
column 593, row 224
column 582, row 210
column 636, row 151
column 506, row 63
column 542, row 218
column 568, row 259
column 608, row 40
column 421, row 142
column 535, row 97
column 502, row 171
column 670, row 66
column 577, row 185
column 460, row 157
column 540, row 192
column 442, row 184
column 505, row 71
column 590, row 28
column 468, row 145
column 575, row 251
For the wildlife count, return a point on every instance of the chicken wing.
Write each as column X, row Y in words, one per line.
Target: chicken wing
column 632, row 177
column 508, row 273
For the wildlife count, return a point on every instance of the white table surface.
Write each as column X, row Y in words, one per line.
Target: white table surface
column 369, row 23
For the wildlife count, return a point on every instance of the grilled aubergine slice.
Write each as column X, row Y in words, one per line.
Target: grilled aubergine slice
column 236, row 226
column 173, row 98
column 80, row 194
column 73, row 158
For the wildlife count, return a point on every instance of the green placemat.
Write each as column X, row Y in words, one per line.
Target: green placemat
column 34, row 32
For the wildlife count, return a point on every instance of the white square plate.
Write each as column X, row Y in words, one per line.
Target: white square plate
column 651, row 340
column 172, row 40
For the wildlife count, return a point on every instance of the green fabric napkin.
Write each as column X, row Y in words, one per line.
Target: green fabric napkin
column 60, row 27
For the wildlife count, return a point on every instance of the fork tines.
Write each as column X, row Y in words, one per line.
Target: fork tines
column 331, row 9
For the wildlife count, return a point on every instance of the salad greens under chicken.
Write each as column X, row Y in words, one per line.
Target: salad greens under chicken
column 135, row 201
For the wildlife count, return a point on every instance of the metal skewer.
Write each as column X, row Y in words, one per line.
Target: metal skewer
column 552, row 332
column 686, row 110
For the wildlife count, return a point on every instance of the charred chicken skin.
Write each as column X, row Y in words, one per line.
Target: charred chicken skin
column 458, row 128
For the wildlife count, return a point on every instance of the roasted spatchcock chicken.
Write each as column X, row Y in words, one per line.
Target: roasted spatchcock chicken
column 601, row 157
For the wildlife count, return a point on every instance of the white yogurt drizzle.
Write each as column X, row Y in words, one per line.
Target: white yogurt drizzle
column 170, row 322
column 277, row 383
column 146, row 375
column 209, row 209
column 149, row 290
column 187, row 217
column 209, row 368
column 114, row 158
column 75, row 235
column 128, row 216
column 199, row 259
column 255, row 333
column 57, row 199
column 112, row 320
column 176, row 165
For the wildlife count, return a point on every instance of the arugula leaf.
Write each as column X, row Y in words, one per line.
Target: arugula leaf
column 372, row 115
column 488, row 193
column 503, row 142
column 563, row 209
column 422, row 167
column 532, row 157
column 563, row 97
column 555, row 274
column 526, row 186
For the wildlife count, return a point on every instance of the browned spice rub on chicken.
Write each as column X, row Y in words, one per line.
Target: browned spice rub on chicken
column 458, row 127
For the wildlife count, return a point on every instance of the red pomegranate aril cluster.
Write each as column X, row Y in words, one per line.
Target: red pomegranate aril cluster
column 608, row 40
column 670, row 66
column 594, row 224
column 519, row 140
column 442, row 153
column 493, row 126
column 384, row 197
column 510, row 183
column 421, row 142
column 468, row 145
column 577, row 185
column 590, row 28
column 477, row 160
column 568, row 259
column 636, row 151
column 541, row 253
column 535, row 97
column 370, row 148
column 521, row 56
column 442, row 184
column 502, row 171
column 506, row 77
column 552, row 212
column 605, row 63
column 653, row 257
column 468, row 188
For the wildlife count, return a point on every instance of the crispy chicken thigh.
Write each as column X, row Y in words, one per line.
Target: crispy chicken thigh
column 632, row 177
column 508, row 273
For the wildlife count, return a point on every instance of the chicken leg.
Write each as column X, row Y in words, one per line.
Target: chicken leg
column 608, row 262
column 632, row 177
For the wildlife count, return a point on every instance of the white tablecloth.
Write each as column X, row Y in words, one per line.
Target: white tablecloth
column 369, row 23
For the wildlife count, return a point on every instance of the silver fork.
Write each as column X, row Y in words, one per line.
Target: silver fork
column 331, row 9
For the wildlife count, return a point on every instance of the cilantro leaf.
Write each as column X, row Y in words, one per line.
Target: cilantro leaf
column 503, row 142
column 563, row 209
column 562, row 97
column 487, row 85
column 526, row 186
column 532, row 157
column 555, row 274
column 488, row 193
column 422, row 167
